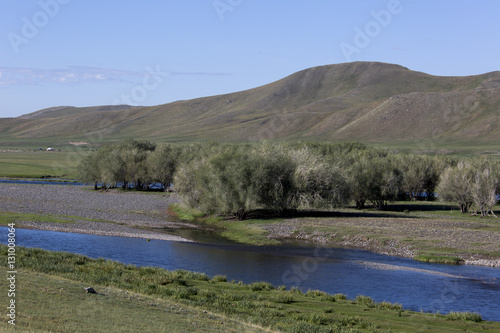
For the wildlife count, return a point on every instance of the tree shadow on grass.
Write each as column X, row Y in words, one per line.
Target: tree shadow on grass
column 394, row 210
column 420, row 207
column 262, row 214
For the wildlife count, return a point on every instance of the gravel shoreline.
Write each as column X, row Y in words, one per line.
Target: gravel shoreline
column 128, row 214
column 294, row 229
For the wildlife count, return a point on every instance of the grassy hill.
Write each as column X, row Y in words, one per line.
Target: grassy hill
column 363, row 101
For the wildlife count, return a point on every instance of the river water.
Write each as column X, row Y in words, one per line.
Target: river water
column 417, row 286
column 41, row 182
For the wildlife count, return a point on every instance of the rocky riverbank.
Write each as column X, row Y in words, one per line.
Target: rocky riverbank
column 111, row 213
column 390, row 236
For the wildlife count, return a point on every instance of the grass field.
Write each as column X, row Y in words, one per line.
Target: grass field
column 48, row 303
column 51, row 298
column 37, row 164
column 9, row 217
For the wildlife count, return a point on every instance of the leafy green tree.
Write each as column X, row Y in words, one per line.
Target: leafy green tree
column 222, row 183
column 162, row 164
column 456, row 185
column 373, row 176
column 485, row 185
column 319, row 182
column 118, row 163
column 420, row 175
column 274, row 175
column 385, row 181
column 89, row 170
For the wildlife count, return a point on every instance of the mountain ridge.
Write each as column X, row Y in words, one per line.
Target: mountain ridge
column 363, row 101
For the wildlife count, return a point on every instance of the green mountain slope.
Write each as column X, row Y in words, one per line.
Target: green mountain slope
column 365, row 101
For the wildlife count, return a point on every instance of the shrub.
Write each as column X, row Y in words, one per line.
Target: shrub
column 219, row 278
column 389, row 306
column 317, row 293
column 456, row 185
column 223, row 183
column 320, row 183
column 342, row 297
column 185, row 293
column 284, row 298
column 476, row 317
column 365, row 300
column 258, row 286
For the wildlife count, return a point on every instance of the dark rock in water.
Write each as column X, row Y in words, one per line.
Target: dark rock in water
column 90, row 290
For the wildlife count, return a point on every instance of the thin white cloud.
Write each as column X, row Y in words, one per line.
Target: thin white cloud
column 14, row 76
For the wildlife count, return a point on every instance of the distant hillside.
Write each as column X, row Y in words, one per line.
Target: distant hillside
column 363, row 101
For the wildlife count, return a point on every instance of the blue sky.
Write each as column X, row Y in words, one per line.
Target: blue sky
column 89, row 52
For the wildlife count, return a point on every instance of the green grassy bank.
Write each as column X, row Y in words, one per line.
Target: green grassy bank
column 37, row 164
column 50, row 298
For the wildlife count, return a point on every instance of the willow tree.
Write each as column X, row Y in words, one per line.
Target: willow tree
column 373, row 176
column 274, row 174
column 118, row 163
column 223, row 183
column 456, row 184
column 89, row 171
column 320, row 183
column 484, row 187
column 162, row 164
column 420, row 175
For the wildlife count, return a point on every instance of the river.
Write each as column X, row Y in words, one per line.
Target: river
column 417, row 286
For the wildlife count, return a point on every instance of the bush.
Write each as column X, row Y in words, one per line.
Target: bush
column 219, row 278
column 284, row 298
column 389, row 306
column 456, row 185
column 476, row 317
column 258, row 286
column 368, row 301
column 315, row 293
column 319, row 183
column 340, row 297
column 223, row 183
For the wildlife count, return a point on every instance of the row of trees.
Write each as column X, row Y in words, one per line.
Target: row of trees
column 130, row 164
column 471, row 182
column 236, row 179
